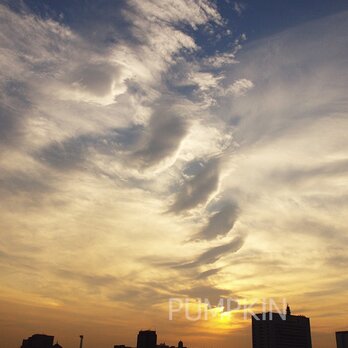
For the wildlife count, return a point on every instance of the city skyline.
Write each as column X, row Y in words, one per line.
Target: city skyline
column 277, row 329
column 164, row 157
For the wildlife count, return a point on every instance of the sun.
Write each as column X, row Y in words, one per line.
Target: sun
column 221, row 318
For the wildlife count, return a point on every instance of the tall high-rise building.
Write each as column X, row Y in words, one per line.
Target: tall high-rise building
column 273, row 330
column 147, row 339
column 342, row 339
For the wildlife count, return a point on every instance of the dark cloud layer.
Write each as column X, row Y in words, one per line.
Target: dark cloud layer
column 24, row 184
column 197, row 189
column 71, row 153
column 8, row 123
column 136, row 145
column 14, row 104
column 96, row 78
column 90, row 279
column 207, row 274
column 220, row 223
column 66, row 155
column 212, row 255
column 165, row 132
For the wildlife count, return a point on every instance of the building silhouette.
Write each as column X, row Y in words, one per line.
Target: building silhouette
column 273, row 330
column 147, row 339
column 40, row 341
column 181, row 344
column 164, row 345
column 342, row 339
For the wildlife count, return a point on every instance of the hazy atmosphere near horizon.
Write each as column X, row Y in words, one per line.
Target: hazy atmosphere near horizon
column 160, row 149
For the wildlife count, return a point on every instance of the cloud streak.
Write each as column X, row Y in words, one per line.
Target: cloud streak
column 212, row 255
column 162, row 138
column 220, row 222
column 197, row 189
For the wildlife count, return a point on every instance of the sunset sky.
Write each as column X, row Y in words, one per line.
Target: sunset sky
column 152, row 149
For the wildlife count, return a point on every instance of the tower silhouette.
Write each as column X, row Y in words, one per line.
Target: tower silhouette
column 147, row 339
column 274, row 330
column 342, row 339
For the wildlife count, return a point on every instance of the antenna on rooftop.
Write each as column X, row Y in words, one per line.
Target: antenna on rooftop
column 81, row 341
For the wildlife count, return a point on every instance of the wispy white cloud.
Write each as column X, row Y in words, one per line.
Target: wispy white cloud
column 239, row 7
column 239, row 87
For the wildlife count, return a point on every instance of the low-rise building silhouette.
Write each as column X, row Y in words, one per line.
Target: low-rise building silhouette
column 40, row 341
column 148, row 339
column 164, row 345
column 273, row 330
column 342, row 339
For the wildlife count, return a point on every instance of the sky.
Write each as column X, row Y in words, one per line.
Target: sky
column 171, row 149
